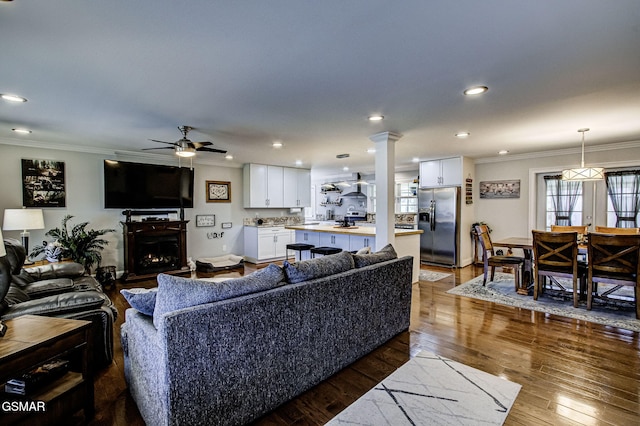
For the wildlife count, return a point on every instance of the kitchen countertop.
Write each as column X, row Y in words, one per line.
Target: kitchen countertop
column 361, row 230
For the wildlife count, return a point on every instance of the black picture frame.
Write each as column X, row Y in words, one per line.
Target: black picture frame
column 43, row 183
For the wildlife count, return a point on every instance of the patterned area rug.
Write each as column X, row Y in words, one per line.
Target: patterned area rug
column 502, row 291
column 431, row 390
column 432, row 275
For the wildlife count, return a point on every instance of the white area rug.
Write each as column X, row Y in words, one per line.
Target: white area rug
column 502, row 290
column 432, row 390
column 433, row 276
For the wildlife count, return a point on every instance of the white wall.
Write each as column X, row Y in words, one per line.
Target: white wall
column 511, row 217
column 85, row 201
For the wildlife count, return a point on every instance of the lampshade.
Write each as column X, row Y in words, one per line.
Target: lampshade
column 22, row 219
column 583, row 173
column 3, row 251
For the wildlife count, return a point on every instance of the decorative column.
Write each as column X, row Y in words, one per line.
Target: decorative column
column 385, row 187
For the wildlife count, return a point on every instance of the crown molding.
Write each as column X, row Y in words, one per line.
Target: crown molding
column 558, row 152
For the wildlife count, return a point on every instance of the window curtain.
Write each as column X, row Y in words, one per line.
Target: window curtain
column 564, row 195
column 624, row 191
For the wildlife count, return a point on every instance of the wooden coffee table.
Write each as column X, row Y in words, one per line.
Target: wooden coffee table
column 32, row 340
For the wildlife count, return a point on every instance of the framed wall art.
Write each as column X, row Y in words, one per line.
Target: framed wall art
column 500, row 189
column 43, row 183
column 205, row 220
column 218, row 192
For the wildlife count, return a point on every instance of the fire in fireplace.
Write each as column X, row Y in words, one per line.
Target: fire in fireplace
column 157, row 253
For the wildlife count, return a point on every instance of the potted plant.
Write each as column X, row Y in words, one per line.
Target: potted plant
column 79, row 244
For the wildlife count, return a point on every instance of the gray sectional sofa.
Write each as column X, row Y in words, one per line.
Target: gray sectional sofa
column 260, row 340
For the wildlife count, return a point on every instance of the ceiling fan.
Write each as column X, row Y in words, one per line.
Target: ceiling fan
column 184, row 147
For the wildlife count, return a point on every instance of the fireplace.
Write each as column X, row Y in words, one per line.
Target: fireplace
column 152, row 247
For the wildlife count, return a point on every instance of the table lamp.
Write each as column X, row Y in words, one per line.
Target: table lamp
column 23, row 219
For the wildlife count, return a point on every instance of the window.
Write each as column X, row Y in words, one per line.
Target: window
column 623, row 203
column 563, row 202
column 406, row 197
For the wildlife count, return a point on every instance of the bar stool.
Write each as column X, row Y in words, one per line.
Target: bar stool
column 299, row 248
column 324, row 251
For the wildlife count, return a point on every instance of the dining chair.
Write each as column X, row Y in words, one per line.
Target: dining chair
column 614, row 259
column 556, row 255
column 490, row 259
column 619, row 231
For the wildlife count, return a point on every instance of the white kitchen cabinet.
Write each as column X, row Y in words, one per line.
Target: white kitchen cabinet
column 443, row 172
column 334, row 240
column 266, row 244
column 297, row 187
column 356, row 242
column 307, row 237
column 263, row 186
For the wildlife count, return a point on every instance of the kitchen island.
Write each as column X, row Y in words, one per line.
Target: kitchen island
column 356, row 237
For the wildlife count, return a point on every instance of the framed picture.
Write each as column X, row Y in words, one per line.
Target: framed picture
column 43, row 183
column 218, row 192
column 205, row 220
column 500, row 189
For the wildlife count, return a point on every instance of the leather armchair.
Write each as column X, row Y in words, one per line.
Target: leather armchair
column 59, row 290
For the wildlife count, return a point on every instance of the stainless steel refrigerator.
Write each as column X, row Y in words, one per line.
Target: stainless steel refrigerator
column 439, row 218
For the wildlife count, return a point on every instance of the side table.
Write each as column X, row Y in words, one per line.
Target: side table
column 32, row 340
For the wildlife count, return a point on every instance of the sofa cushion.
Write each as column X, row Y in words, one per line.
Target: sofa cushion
column 58, row 304
column 319, row 267
column 44, row 288
column 385, row 253
column 177, row 293
column 22, row 279
column 142, row 299
column 14, row 295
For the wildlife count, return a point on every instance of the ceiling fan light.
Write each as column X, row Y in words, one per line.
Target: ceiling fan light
column 185, row 152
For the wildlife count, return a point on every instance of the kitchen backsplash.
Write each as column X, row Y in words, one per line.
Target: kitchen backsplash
column 400, row 218
column 273, row 221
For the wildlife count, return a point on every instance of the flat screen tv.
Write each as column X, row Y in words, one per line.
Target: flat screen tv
column 146, row 186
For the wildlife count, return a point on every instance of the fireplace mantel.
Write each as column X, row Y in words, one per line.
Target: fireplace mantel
column 151, row 247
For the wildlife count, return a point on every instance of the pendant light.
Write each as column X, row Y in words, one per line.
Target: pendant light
column 583, row 173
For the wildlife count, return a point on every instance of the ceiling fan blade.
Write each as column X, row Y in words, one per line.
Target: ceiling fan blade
column 164, row 147
column 168, row 143
column 221, row 151
column 197, row 145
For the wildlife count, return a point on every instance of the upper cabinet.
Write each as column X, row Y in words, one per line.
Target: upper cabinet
column 275, row 186
column 297, row 187
column 443, row 172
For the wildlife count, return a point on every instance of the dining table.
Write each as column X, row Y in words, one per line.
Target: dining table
column 526, row 245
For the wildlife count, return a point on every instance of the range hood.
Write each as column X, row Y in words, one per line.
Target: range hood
column 357, row 193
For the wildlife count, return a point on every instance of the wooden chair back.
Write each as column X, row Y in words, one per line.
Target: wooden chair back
column 614, row 259
column 618, row 231
column 482, row 231
column 580, row 229
column 555, row 255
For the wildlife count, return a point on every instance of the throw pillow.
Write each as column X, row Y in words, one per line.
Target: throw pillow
column 319, row 267
column 364, row 250
column 142, row 299
column 386, row 253
column 177, row 293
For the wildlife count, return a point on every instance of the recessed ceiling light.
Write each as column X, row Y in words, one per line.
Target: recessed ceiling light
column 22, row 131
column 298, row 162
column 415, row 159
column 345, row 168
column 371, row 150
column 376, row 117
column 12, row 98
column 503, row 152
column 462, row 134
column 476, row 90
column 277, row 144
column 228, row 157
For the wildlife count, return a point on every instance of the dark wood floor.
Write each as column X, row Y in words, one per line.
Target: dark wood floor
column 571, row 371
